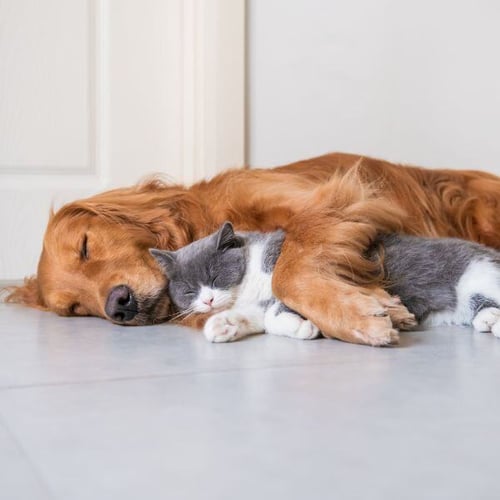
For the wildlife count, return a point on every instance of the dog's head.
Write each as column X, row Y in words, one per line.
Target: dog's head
column 95, row 259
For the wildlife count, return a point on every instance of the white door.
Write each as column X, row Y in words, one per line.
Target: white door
column 99, row 93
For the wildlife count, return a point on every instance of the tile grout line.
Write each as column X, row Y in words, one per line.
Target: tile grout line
column 153, row 376
column 36, row 471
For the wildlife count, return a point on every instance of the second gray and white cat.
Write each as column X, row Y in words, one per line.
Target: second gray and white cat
column 445, row 280
column 441, row 281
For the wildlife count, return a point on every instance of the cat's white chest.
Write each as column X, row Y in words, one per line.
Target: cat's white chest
column 256, row 285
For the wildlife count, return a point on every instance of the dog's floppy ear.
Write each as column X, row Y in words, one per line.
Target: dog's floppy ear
column 165, row 258
column 226, row 238
column 27, row 294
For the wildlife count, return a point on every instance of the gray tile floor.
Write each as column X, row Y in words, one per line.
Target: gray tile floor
column 89, row 410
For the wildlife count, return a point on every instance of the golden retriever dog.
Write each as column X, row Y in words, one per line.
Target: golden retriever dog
column 95, row 258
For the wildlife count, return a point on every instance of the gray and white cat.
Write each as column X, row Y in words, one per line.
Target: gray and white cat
column 230, row 274
column 440, row 280
column 445, row 280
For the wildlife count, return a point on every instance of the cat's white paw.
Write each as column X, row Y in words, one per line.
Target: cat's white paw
column 223, row 326
column 487, row 320
column 495, row 329
column 289, row 324
column 284, row 323
column 306, row 331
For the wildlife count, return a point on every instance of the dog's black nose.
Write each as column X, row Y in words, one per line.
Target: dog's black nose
column 121, row 305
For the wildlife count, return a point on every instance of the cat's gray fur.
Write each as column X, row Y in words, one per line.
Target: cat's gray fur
column 425, row 272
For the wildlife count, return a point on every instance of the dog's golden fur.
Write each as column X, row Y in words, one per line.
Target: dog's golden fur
column 331, row 207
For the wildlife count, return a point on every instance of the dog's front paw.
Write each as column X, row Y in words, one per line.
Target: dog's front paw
column 373, row 324
column 222, row 327
column 376, row 334
column 400, row 316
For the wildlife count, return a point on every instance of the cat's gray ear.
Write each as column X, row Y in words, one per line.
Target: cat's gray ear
column 226, row 237
column 165, row 258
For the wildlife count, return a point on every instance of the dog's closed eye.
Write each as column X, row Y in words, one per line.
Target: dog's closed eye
column 84, row 250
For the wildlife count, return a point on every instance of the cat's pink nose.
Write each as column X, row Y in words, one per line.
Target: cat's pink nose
column 208, row 302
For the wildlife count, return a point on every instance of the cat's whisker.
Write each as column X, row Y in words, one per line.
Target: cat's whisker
column 190, row 314
column 183, row 314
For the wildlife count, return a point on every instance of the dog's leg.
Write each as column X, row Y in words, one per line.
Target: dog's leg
column 401, row 318
column 340, row 310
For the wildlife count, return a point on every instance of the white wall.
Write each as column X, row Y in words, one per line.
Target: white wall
column 410, row 81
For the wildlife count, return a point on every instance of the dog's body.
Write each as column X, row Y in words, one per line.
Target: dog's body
column 95, row 256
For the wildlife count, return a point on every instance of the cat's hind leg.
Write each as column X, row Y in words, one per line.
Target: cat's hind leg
column 487, row 320
column 486, row 308
column 281, row 320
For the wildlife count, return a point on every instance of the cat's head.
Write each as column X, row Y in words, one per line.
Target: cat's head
column 204, row 275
